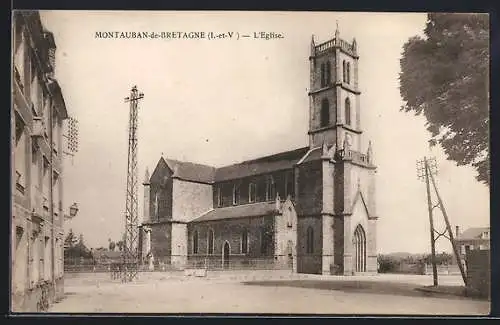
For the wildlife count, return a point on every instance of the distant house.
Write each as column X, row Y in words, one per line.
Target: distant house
column 473, row 238
column 477, row 238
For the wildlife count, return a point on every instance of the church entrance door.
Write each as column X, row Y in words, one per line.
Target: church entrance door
column 359, row 242
column 225, row 255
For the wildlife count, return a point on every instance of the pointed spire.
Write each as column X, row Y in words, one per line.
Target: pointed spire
column 337, row 30
column 346, row 143
column 369, row 153
column 324, row 148
column 354, row 45
column 146, row 176
column 313, row 46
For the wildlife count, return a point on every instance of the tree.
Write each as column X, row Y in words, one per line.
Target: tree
column 70, row 240
column 120, row 245
column 444, row 76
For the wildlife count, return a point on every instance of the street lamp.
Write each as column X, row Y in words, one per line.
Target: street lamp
column 73, row 210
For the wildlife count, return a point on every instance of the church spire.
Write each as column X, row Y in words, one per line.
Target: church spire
column 337, row 33
column 369, row 153
column 313, row 46
column 146, row 176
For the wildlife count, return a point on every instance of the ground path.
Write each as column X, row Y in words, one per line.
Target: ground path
column 228, row 293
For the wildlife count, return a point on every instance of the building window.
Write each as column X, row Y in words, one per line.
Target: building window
column 20, row 154
column 265, row 240
column 252, row 193
column 328, row 73
column 44, row 100
column 344, row 68
column 19, row 55
column 347, row 111
column 46, row 182
column 289, row 221
column 55, row 131
column 195, row 242
column 19, row 235
column 41, row 255
column 219, row 196
column 244, row 241
column 348, row 78
column 325, row 113
column 289, row 185
column 270, row 188
column 310, row 240
column 211, row 238
column 323, row 75
column 236, row 194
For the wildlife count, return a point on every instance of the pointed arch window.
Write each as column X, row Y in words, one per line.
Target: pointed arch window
column 244, row 241
column 270, row 189
column 359, row 243
column 252, row 192
column 323, row 75
column 347, row 111
column 325, row 113
column 219, row 196
column 310, row 240
column 195, row 242
column 328, row 76
column 211, row 239
column 344, row 76
column 348, row 73
column 236, row 194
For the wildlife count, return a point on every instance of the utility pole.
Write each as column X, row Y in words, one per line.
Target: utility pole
column 423, row 171
column 426, row 169
column 130, row 251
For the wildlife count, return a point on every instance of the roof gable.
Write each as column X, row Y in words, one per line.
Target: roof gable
column 191, row 171
column 360, row 197
column 161, row 170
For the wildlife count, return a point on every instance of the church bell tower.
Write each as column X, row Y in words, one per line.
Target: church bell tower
column 334, row 114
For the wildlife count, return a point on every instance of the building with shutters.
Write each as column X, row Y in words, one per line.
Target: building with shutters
column 37, row 114
column 312, row 209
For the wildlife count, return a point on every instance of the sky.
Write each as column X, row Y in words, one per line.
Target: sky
column 223, row 101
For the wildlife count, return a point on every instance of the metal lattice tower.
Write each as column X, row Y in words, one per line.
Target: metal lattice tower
column 130, row 252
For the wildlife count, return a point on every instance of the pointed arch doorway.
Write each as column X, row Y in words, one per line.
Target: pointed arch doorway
column 226, row 250
column 359, row 242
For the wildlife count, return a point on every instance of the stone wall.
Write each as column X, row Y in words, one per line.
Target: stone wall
column 285, row 235
column 309, row 262
column 190, row 199
column 230, row 230
column 161, row 234
column 310, row 188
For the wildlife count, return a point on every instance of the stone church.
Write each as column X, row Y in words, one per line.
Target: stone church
column 311, row 210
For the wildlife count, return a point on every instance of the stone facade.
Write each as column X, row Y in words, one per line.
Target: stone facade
column 312, row 210
column 37, row 114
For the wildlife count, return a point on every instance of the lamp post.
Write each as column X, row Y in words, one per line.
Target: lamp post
column 73, row 211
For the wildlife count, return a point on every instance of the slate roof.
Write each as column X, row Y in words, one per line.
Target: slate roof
column 473, row 233
column 239, row 211
column 267, row 164
column 191, row 171
column 208, row 174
